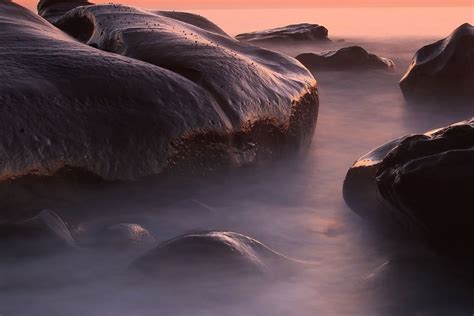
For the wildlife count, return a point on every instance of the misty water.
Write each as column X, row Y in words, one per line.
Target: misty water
column 295, row 207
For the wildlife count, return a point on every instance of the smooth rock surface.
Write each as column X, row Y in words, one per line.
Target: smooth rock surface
column 424, row 182
column 208, row 253
column 347, row 58
column 444, row 69
column 303, row 32
column 41, row 234
column 182, row 94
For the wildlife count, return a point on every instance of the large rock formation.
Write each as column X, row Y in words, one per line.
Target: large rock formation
column 123, row 93
column 347, row 58
column 424, row 182
column 444, row 69
column 303, row 32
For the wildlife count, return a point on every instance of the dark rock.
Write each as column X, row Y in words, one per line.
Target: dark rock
column 52, row 10
column 303, row 32
column 347, row 58
column 125, row 236
column 152, row 90
column 424, row 182
column 444, row 69
column 212, row 253
column 42, row 234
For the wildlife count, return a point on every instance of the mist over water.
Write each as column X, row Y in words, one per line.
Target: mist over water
column 295, row 207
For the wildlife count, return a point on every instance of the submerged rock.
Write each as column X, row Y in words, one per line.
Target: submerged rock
column 444, row 69
column 347, row 58
column 424, row 182
column 303, row 32
column 42, row 234
column 207, row 254
column 125, row 236
column 139, row 92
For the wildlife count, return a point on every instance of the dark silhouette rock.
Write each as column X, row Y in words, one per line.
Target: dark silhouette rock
column 39, row 235
column 303, row 32
column 424, row 183
column 347, row 58
column 212, row 253
column 142, row 87
column 444, row 69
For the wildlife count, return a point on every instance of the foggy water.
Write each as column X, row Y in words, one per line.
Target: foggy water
column 295, row 207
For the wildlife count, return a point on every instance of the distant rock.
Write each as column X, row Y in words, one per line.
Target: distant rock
column 424, row 182
column 444, row 69
column 347, row 58
column 125, row 93
column 303, row 32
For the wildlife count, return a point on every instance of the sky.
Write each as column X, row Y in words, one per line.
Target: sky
column 243, row 4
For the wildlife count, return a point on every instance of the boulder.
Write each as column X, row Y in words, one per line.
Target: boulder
column 124, row 93
column 44, row 233
column 214, row 253
column 124, row 236
column 424, row 183
column 300, row 33
column 347, row 58
column 443, row 70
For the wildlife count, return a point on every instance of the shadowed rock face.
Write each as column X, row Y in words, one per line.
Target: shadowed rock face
column 424, row 182
column 347, row 58
column 303, row 32
column 444, row 69
column 38, row 235
column 208, row 253
column 163, row 90
column 52, row 10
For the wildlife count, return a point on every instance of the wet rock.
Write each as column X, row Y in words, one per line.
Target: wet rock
column 444, row 69
column 52, row 10
column 424, row 183
column 125, row 236
column 301, row 33
column 42, row 234
column 145, row 87
column 212, row 253
column 347, row 58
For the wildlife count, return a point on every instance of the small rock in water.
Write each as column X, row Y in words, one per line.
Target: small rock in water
column 303, row 32
column 42, row 234
column 347, row 58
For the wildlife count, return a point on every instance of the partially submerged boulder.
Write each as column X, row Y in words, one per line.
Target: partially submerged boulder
column 41, row 234
column 124, row 236
column 206, row 254
column 424, row 182
column 301, row 33
column 347, row 58
column 137, row 93
column 444, row 69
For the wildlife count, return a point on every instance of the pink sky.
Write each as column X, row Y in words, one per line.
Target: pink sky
column 222, row 4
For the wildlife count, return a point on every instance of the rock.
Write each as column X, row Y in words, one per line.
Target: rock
column 52, row 10
column 347, row 58
column 139, row 86
column 212, row 253
column 303, row 32
column 444, row 69
column 125, row 236
column 424, row 183
column 39, row 235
